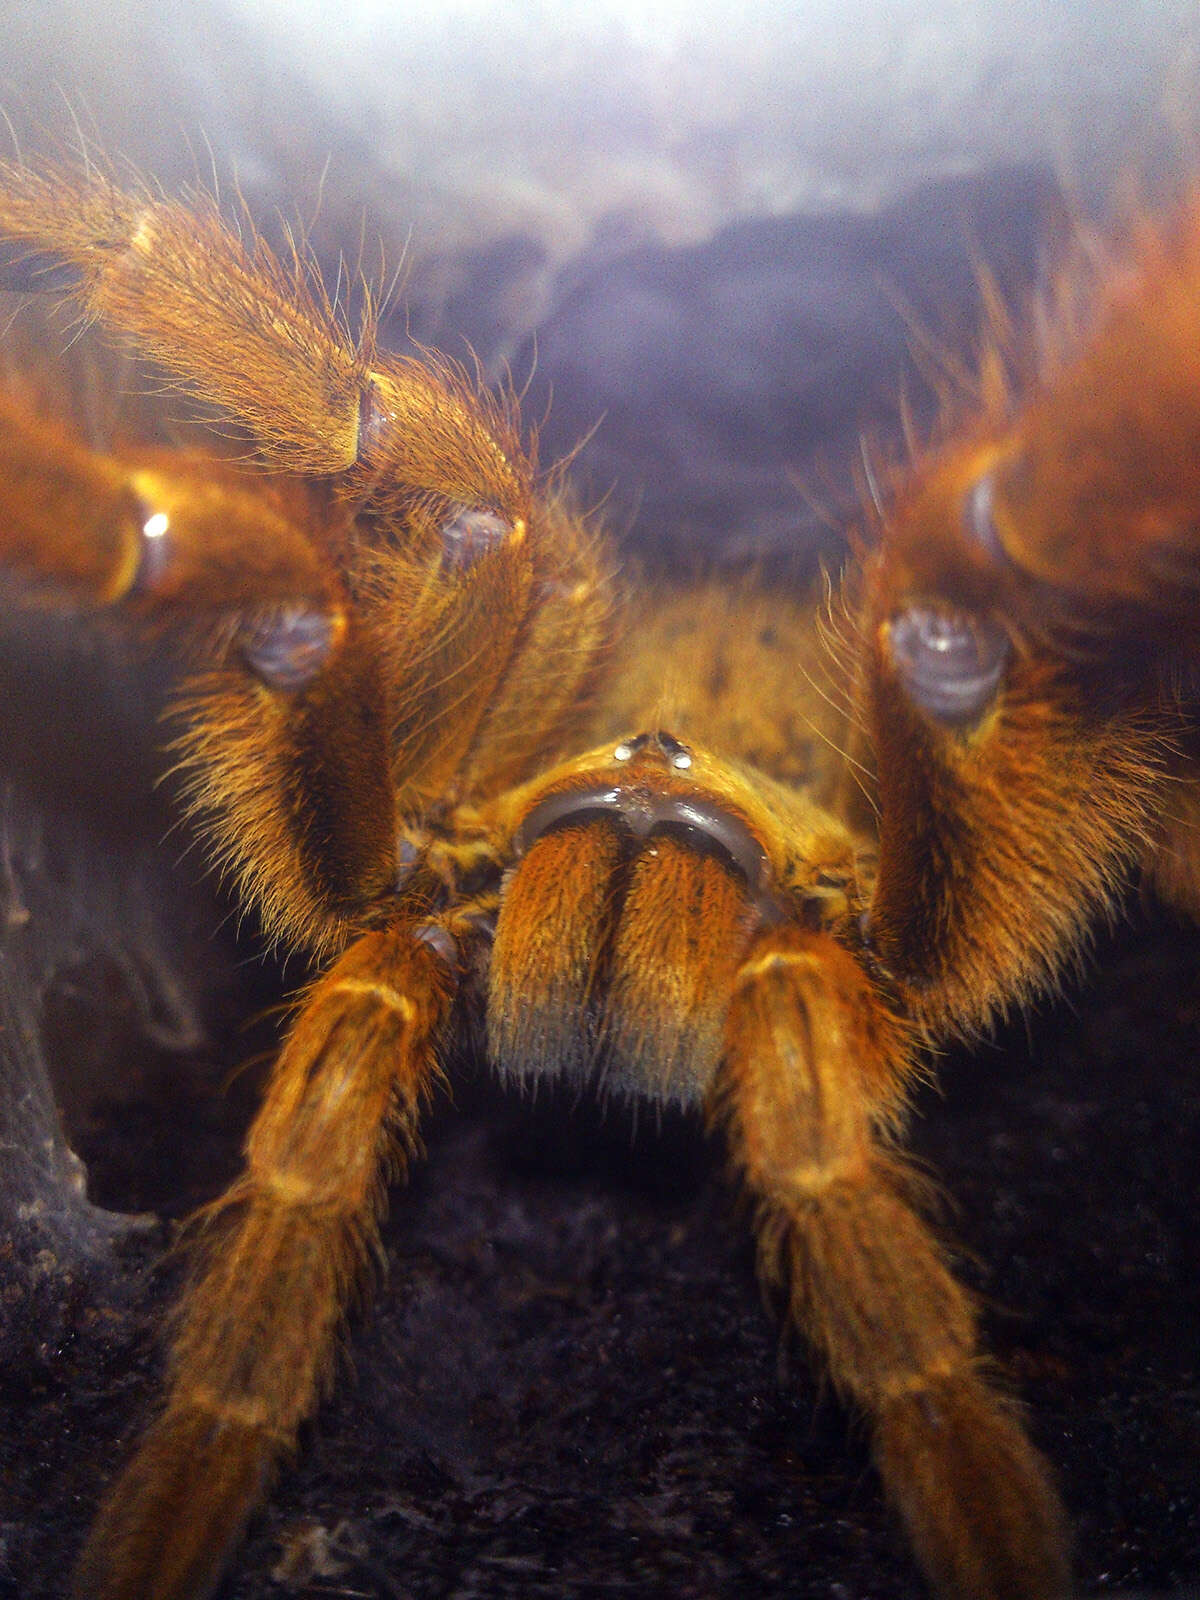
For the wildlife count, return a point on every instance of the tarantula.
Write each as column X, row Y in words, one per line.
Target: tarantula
column 445, row 753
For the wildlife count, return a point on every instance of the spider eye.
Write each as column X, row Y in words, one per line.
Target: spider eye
column 951, row 663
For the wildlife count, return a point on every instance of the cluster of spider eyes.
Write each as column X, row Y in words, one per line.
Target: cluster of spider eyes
column 676, row 754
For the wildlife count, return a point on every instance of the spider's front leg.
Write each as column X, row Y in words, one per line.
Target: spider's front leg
column 814, row 1075
column 1071, row 502
column 1029, row 650
column 167, row 533
column 284, row 697
column 283, row 1252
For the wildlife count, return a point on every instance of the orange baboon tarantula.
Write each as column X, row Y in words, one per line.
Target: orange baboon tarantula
column 442, row 751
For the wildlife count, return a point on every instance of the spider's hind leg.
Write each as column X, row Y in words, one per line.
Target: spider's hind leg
column 814, row 1066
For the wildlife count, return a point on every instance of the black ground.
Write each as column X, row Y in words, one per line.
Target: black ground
column 569, row 1385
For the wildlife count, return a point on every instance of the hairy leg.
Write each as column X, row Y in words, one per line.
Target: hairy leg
column 283, row 1252
column 815, row 1069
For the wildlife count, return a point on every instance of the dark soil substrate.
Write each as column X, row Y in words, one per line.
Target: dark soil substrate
column 569, row 1385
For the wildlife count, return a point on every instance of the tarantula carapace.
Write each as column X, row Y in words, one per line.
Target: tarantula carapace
column 446, row 753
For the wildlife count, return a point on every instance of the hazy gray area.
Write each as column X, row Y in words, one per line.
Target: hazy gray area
column 557, row 116
column 562, row 122
column 709, row 231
